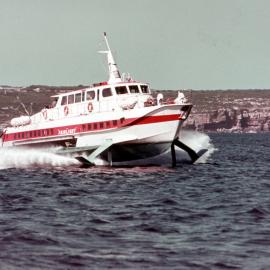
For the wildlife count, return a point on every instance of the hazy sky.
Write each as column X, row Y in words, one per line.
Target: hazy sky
column 172, row 44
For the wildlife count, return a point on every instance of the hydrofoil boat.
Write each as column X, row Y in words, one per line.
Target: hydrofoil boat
column 118, row 121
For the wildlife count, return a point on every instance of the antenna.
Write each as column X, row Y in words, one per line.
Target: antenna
column 114, row 74
column 106, row 41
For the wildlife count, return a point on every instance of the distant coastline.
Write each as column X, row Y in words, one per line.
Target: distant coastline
column 228, row 111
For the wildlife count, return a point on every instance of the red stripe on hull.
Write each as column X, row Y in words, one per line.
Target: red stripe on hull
column 87, row 127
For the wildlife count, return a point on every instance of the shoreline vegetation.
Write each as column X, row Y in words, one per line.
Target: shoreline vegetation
column 224, row 111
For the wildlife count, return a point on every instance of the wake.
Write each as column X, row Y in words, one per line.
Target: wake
column 25, row 158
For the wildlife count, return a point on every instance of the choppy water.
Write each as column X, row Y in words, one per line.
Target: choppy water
column 211, row 215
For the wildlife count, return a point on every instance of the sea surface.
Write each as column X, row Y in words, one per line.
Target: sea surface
column 214, row 214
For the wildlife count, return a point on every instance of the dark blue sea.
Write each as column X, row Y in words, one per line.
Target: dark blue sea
column 211, row 215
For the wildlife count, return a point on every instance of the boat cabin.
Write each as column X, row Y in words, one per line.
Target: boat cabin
column 122, row 95
column 100, row 93
column 100, row 97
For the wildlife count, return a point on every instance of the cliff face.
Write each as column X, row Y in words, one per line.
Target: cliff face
column 229, row 111
column 213, row 111
column 231, row 120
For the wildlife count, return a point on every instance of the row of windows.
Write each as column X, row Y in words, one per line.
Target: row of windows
column 120, row 90
column 101, row 125
column 33, row 134
column 70, row 99
column 50, row 132
column 106, row 92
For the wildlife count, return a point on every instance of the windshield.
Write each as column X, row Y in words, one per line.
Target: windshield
column 145, row 89
column 120, row 90
column 134, row 89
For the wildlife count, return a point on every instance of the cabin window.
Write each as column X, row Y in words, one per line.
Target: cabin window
column 19, row 135
column 90, row 95
column 83, row 96
column 78, row 97
column 107, row 92
column 145, row 89
column 70, row 99
column 134, row 89
column 120, row 90
column 15, row 136
column 35, row 133
column 64, row 100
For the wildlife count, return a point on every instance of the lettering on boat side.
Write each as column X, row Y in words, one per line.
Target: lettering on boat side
column 66, row 131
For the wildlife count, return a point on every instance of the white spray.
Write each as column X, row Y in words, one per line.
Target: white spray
column 197, row 141
column 25, row 158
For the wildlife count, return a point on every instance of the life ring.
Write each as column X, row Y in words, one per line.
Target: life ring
column 66, row 111
column 45, row 114
column 90, row 107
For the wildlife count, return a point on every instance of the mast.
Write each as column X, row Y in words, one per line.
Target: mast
column 114, row 74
